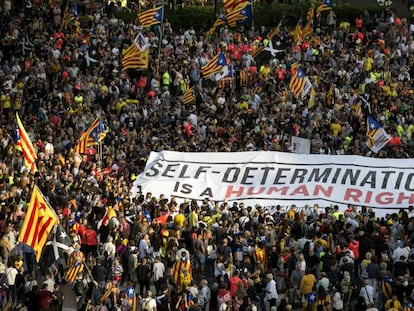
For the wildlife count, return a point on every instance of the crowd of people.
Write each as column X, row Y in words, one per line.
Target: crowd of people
column 157, row 254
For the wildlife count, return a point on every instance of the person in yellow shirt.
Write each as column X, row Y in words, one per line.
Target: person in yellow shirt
column 5, row 100
column 368, row 63
column 393, row 304
column 193, row 217
column 265, row 70
column 308, row 282
column 260, row 254
column 336, row 128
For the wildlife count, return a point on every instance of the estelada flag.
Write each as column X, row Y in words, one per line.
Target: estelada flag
column 38, row 222
column 72, row 273
column 24, row 144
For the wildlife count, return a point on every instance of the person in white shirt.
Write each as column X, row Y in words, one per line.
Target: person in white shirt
column 149, row 303
column 50, row 283
column 49, row 148
column 143, row 247
column 158, row 273
column 271, row 291
column 11, row 273
column 204, row 295
column 367, row 292
column 109, row 248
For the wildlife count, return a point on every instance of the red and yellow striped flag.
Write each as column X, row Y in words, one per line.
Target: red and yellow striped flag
column 134, row 58
column 24, row 144
column 38, row 222
column 86, row 140
column 151, row 17
column 297, row 82
column 188, row 96
column 72, row 273
column 244, row 78
column 230, row 5
column 330, row 96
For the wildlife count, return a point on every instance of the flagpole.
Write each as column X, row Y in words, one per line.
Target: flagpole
column 159, row 45
column 100, row 152
column 252, row 15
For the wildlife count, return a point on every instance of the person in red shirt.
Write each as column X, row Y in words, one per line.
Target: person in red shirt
column 234, row 280
column 354, row 246
column 91, row 241
column 281, row 73
column 43, row 298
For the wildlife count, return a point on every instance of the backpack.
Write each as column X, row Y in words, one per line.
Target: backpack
column 345, row 285
column 79, row 289
column 146, row 305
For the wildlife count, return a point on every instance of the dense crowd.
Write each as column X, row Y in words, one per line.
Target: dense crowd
column 159, row 254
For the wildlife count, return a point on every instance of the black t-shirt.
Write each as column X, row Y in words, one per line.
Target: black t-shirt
column 400, row 268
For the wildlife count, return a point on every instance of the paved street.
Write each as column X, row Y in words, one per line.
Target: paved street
column 69, row 303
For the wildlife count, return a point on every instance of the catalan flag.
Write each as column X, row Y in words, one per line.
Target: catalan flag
column 220, row 21
column 216, row 65
column 324, row 6
column 99, row 133
column 257, row 51
column 24, row 144
column 107, row 293
column 72, row 273
column 311, row 14
column 298, row 31
column 377, row 138
column 243, row 13
column 134, row 58
column 188, row 96
column 151, row 17
column 312, row 98
column 67, row 19
column 307, row 30
column 230, row 5
column 86, row 139
column 408, row 306
column 257, row 89
column 387, row 287
column 275, row 31
column 38, row 222
column 330, row 96
column 298, row 82
column 244, row 77
column 131, row 297
column 358, row 111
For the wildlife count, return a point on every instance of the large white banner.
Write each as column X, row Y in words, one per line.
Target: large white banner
column 272, row 178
